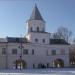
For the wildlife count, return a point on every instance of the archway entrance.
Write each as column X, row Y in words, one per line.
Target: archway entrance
column 58, row 63
column 20, row 64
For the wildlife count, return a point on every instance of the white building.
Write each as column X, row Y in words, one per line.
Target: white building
column 36, row 50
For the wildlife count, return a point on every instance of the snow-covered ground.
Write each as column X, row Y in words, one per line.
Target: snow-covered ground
column 50, row 71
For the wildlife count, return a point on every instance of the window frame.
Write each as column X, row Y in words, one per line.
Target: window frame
column 3, row 51
column 14, row 51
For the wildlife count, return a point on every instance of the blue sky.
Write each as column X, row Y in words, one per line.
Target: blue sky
column 56, row 13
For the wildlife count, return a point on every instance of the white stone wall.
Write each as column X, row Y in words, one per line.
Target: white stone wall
column 34, row 24
column 40, row 36
column 40, row 54
column 2, row 57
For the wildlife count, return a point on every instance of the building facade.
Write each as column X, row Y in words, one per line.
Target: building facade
column 36, row 50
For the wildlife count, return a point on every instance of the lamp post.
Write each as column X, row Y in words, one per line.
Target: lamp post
column 21, row 47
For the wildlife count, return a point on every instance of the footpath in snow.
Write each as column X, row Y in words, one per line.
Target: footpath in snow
column 50, row 71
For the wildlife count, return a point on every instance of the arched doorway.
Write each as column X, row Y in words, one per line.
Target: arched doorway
column 58, row 63
column 20, row 64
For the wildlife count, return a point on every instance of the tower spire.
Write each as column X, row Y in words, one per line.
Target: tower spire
column 36, row 14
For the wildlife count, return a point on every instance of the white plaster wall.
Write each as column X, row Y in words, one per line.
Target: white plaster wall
column 2, row 57
column 34, row 24
column 40, row 36
column 40, row 54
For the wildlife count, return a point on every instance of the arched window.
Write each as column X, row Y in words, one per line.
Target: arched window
column 37, row 29
column 3, row 51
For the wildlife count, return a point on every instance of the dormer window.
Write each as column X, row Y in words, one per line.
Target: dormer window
column 37, row 29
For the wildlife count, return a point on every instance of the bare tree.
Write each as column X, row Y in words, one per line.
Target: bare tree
column 63, row 33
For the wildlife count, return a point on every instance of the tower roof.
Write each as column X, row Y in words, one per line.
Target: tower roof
column 36, row 14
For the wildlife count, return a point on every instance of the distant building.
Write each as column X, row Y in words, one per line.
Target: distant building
column 36, row 50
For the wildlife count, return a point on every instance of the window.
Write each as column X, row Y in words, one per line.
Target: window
column 53, row 52
column 14, row 51
column 3, row 51
column 25, row 51
column 31, row 29
column 32, row 51
column 43, row 40
column 36, row 40
column 37, row 29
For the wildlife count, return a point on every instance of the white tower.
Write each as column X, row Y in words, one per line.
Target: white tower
column 36, row 28
column 36, row 22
